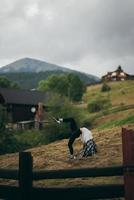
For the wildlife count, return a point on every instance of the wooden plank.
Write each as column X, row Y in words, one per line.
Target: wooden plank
column 9, row 192
column 25, row 175
column 79, row 193
column 128, row 161
column 77, row 173
column 83, row 192
column 9, row 174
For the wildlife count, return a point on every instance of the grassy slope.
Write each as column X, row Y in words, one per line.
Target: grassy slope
column 121, row 112
column 108, row 139
column 121, row 92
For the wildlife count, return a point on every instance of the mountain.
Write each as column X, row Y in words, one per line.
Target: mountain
column 30, row 65
column 28, row 72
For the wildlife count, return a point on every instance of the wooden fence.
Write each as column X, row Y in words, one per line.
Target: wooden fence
column 26, row 175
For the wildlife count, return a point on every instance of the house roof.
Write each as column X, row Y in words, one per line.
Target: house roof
column 27, row 97
column 118, row 70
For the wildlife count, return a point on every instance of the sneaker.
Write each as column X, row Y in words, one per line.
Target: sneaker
column 72, row 157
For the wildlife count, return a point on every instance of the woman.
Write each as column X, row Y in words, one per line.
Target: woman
column 89, row 146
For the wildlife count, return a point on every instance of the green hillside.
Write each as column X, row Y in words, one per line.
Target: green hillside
column 30, row 80
column 121, row 109
column 122, row 92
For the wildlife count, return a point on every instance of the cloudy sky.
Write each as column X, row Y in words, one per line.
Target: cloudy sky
column 93, row 36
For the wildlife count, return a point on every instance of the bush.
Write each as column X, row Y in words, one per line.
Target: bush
column 8, row 143
column 98, row 104
column 105, row 88
column 28, row 138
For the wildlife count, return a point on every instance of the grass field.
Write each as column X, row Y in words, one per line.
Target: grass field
column 121, row 93
column 120, row 112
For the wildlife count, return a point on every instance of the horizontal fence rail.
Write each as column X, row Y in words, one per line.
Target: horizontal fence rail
column 79, row 193
column 67, row 173
column 77, row 173
column 9, row 192
column 9, row 174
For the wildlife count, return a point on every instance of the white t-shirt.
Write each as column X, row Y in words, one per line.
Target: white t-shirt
column 86, row 135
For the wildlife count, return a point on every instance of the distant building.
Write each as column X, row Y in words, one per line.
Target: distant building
column 117, row 75
column 21, row 105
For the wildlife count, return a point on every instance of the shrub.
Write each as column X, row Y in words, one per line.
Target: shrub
column 8, row 143
column 28, row 138
column 123, row 91
column 98, row 104
column 105, row 88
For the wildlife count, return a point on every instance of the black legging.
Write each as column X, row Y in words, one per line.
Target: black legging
column 72, row 138
column 75, row 133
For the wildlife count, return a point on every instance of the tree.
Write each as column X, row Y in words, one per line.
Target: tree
column 58, row 83
column 6, row 83
column 43, row 85
column 75, row 87
column 68, row 85
column 15, row 85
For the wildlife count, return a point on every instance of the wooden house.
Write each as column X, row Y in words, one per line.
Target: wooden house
column 117, row 75
column 21, row 105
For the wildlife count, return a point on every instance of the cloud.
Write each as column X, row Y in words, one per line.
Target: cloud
column 32, row 10
column 92, row 36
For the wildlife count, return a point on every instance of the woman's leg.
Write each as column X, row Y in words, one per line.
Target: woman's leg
column 72, row 138
column 70, row 144
column 90, row 148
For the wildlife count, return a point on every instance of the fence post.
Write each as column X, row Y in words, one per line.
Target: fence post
column 25, row 175
column 128, row 162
